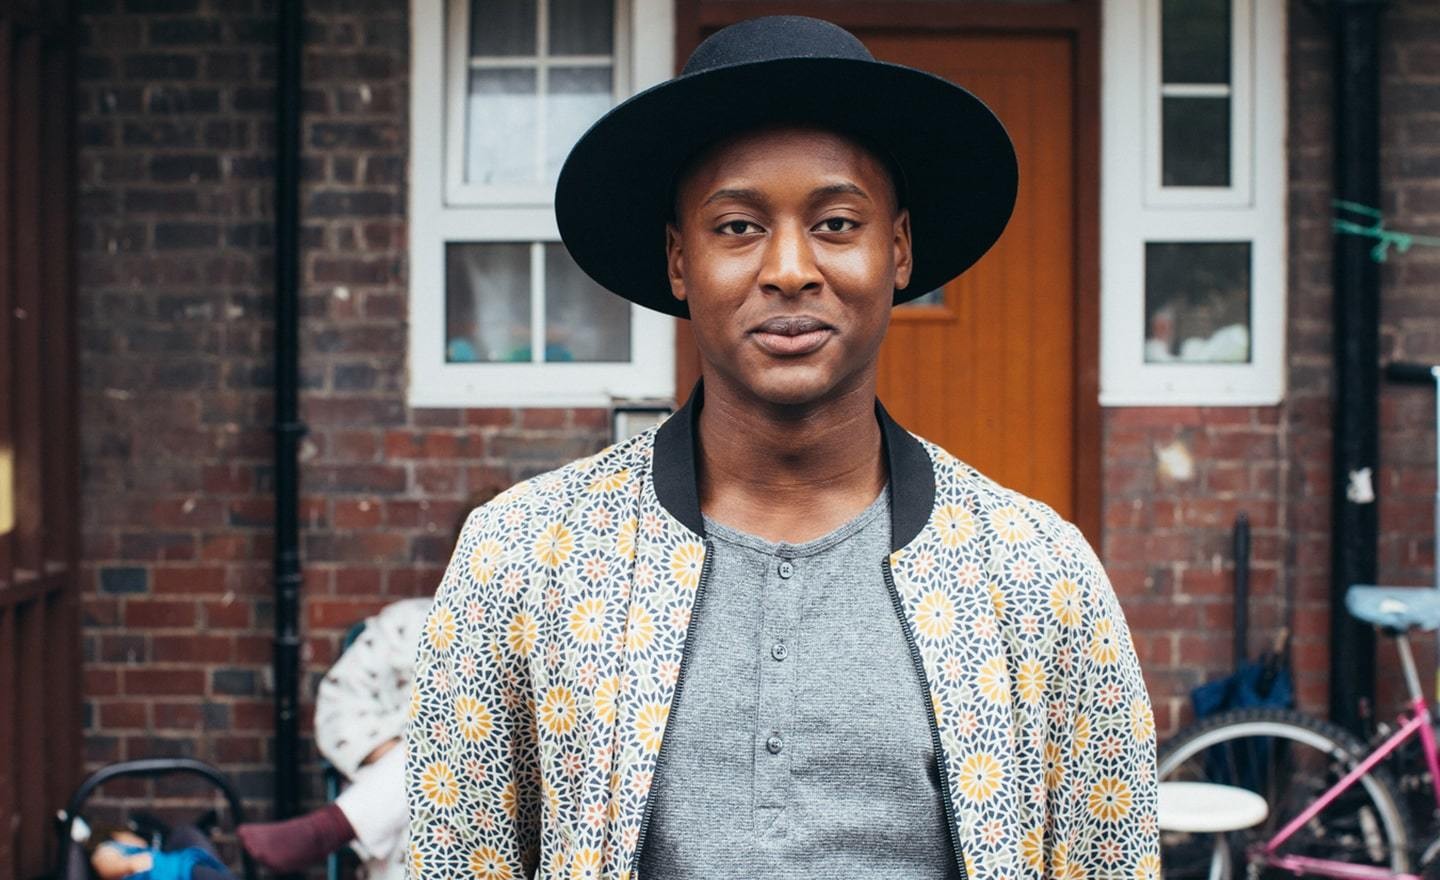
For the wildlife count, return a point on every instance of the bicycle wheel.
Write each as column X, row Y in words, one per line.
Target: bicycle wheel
column 1289, row 759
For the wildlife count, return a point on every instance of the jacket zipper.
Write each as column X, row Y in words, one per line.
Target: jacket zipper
column 940, row 762
column 674, row 704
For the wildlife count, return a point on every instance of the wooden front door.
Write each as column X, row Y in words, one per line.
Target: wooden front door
column 1000, row 368
column 987, row 371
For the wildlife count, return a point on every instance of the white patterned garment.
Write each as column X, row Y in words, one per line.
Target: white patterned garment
column 556, row 644
column 361, row 704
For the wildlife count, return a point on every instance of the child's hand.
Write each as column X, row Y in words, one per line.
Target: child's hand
column 112, row 863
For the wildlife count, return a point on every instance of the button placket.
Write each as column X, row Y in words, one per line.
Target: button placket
column 775, row 717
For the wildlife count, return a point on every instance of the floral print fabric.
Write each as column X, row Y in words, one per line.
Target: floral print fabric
column 551, row 656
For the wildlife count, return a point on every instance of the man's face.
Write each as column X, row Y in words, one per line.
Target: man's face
column 788, row 247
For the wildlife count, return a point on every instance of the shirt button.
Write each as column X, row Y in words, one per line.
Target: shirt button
column 779, row 651
column 786, row 569
column 774, row 744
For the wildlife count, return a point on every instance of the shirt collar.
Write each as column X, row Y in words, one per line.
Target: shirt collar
column 676, row 474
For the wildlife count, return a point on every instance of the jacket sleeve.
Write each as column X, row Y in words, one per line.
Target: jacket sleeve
column 1105, row 821
column 472, row 763
column 362, row 699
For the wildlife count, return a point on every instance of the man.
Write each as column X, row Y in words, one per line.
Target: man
column 779, row 636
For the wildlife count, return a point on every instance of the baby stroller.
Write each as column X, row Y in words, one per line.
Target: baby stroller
column 73, row 862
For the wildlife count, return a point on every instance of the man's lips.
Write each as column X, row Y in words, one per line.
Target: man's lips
column 792, row 335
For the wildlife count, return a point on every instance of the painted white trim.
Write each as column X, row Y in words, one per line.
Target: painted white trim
column 1240, row 91
column 1135, row 209
column 646, row 38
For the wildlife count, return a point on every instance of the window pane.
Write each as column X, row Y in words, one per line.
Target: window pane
column 501, row 127
column 487, row 302
column 1195, row 41
column 582, row 27
column 502, row 27
column 935, row 297
column 1196, row 142
column 578, row 96
column 1197, row 302
column 583, row 321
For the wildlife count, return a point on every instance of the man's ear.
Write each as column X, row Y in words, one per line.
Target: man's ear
column 903, row 262
column 675, row 261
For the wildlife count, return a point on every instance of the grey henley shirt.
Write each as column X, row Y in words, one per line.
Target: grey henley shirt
column 800, row 745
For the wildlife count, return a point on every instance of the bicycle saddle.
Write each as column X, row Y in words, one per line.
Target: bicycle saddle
column 1397, row 608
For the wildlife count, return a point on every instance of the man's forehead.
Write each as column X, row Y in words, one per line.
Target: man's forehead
column 757, row 150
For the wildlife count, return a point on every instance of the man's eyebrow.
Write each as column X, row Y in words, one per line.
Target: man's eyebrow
column 844, row 188
column 743, row 195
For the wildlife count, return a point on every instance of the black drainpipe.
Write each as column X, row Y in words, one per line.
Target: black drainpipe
column 1357, row 359
column 289, row 24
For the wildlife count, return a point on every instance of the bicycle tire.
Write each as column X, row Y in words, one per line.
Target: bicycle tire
column 1365, row 825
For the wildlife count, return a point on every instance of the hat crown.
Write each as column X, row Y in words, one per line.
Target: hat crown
column 775, row 37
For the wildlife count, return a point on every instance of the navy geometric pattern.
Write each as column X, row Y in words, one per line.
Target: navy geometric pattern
column 550, row 658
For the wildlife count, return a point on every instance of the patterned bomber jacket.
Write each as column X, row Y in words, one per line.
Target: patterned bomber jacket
column 555, row 652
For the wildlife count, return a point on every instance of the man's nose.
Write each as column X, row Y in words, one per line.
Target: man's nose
column 789, row 268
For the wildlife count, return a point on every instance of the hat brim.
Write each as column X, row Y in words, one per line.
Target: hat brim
column 615, row 191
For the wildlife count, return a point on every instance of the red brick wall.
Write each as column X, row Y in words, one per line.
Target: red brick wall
column 1163, row 549
column 175, row 238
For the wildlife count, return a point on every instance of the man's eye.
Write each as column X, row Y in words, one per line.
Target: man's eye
column 837, row 224
column 737, row 227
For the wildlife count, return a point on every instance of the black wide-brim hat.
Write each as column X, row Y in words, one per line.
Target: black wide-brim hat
column 616, row 190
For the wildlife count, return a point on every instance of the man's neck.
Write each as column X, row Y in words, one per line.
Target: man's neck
column 788, row 473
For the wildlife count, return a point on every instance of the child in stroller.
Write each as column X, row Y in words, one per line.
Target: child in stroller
column 186, row 853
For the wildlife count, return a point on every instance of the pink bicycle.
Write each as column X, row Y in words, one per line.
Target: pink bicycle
column 1335, row 808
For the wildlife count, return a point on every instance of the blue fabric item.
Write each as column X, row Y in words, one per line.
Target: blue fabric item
column 1243, row 690
column 175, row 865
column 1398, row 608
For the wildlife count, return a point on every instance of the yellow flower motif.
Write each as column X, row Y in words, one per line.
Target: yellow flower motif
column 1073, row 871
column 417, row 861
column 611, row 482
column 1065, row 602
column 1059, row 860
column 1054, row 766
column 1032, row 849
column 484, row 560
column 440, row 628
column 522, row 634
column 1081, row 735
column 1148, row 868
column 1031, row 681
column 557, row 710
column 650, row 725
column 487, row 864
column 640, row 629
column 510, row 799
column 955, row 524
column 554, row 545
column 1142, row 720
column 935, row 616
column 1011, row 525
column 586, row 865
column 1110, row 799
column 414, row 710
column 997, row 598
column 686, row 564
column 995, row 681
column 979, row 777
column 1104, row 643
column 439, row 786
column 605, row 693
column 474, row 720
column 625, row 540
column 587, row 620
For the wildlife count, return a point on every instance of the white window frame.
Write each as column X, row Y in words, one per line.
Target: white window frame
column 443, row 212
column 1136, row 209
